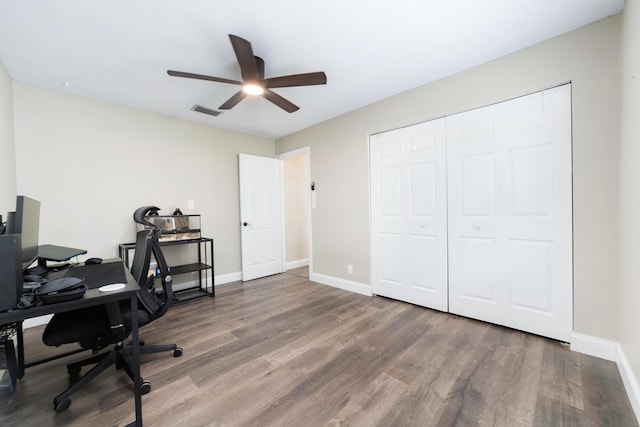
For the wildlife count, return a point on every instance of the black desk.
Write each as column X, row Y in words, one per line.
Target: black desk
column 91, row 297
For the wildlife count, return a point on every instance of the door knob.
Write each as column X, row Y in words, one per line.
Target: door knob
column 245, row 223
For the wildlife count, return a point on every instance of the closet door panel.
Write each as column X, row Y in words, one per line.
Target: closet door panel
column 410, row 204
column 521, row 200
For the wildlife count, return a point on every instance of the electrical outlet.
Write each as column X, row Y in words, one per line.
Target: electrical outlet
column 349, row 269
column 191, row 204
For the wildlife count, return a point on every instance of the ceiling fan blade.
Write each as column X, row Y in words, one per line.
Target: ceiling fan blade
column 202, row 77
column 246, row 60
column 305, row 79
column 233, row 101
column 260, row 67
column 281, row 102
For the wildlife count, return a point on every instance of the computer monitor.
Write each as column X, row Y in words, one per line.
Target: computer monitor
column 27, row 224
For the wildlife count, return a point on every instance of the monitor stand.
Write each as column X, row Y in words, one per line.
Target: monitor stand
column 57, row 254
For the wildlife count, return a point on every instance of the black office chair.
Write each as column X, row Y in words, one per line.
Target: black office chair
column 92, row 327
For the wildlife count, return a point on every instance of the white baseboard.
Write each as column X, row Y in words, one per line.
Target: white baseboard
column 598, row 347
column 629, row 380
column 295, row 264
column 221, row 279
column 336, row 282
column 610, row 350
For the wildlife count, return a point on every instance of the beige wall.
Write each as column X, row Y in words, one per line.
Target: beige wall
column 7, row 146
column 629, row 218
column 588, row 57
column 296, row 225
column 92, row 163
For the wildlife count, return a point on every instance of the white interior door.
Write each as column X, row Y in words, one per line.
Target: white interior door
column 510, row 228
column 260, row 216
column 409, row 214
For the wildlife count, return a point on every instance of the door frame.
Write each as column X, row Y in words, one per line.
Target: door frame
column 284, row 156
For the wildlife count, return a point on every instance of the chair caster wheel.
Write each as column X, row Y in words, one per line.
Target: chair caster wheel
column 74, row 371
column 177, row 352
column 145, row 387
column 62, row 406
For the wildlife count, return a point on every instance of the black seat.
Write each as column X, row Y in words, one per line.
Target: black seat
column 96, row 328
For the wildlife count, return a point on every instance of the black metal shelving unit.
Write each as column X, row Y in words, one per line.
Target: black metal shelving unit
column 204, row 266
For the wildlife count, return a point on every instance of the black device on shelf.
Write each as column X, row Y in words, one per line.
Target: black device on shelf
column 10, row 271
column 27, row 223
column 8, row 225
column 18, row 249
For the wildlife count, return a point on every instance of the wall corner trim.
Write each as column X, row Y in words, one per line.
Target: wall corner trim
column 347, row 285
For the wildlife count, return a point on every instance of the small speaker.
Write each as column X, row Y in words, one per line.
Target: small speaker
column 10, row 271
column 11, row 220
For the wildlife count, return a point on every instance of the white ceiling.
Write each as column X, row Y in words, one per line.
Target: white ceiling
column 119, row 50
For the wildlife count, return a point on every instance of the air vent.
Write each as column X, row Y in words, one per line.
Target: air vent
column 205, row 110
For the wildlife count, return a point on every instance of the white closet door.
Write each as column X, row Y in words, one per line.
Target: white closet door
column 509, row 191
column 409, row 218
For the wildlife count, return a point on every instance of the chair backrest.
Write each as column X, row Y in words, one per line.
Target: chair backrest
column 147, row 244
column 140, row 271
column 142, row 256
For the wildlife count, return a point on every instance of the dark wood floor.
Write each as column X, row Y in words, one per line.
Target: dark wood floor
column 282, row 351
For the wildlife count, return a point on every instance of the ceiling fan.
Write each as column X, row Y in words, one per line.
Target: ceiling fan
column 253, row 81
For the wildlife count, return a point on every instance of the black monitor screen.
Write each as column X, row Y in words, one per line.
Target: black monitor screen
column 27, row 224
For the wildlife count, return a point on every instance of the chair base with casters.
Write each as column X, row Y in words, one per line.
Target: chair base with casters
column 121, row 357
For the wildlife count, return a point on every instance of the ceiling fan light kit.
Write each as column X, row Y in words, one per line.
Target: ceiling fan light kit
column 253, row 89
column 253, row 82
